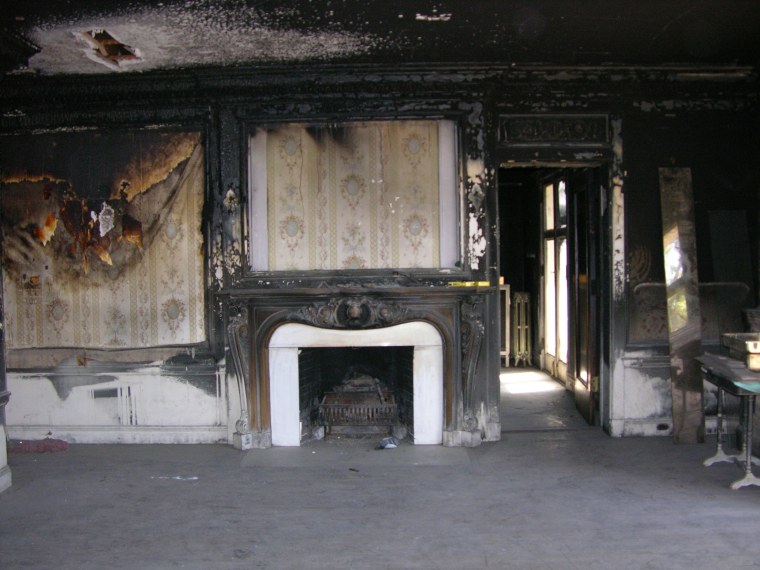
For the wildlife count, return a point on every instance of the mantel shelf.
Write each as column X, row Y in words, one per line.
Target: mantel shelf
column 401, row 291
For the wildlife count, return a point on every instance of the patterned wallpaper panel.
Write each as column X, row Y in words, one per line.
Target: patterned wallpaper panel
column 356, row 196
column 136, row 277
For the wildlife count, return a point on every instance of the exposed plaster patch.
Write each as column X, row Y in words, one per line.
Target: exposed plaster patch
column 196, row 33
column 646, row 395
column 477, row 242
column 475, row 118
column 103, row 48
column 217, row 257
column 475, row 168
column 233, row 262
column 476, row 180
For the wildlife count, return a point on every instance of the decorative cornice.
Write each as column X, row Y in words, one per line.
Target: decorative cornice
column 583, row 130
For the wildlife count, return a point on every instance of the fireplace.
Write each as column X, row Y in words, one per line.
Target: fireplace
column 272, row 332
column 356, row 391
column 406, row 359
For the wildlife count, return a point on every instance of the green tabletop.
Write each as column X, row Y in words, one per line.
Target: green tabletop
column 730, row 374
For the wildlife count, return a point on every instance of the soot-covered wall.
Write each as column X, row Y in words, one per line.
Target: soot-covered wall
column 103, row 243
column 654, row 119
column 721, row 151
column 104, row 286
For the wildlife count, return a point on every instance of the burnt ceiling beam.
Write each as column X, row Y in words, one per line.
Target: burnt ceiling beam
column 28, row 101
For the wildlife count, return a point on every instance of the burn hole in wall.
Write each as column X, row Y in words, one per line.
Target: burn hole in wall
column 356, row 391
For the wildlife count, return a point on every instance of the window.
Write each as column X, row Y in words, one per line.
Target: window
column 361, row 195
column 555, row 278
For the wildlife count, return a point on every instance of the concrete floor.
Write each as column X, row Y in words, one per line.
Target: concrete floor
column 545, row 497
column 532, row 401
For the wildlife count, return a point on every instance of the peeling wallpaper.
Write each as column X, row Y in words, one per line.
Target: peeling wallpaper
column 113, row 263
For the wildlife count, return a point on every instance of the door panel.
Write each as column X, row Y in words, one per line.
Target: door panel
column 584, row 236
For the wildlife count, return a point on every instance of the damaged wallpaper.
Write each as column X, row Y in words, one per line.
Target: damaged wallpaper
column 354, row 196
column 103, row 243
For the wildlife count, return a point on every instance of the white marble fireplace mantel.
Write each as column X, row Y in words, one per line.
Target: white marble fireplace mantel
column 288, row 338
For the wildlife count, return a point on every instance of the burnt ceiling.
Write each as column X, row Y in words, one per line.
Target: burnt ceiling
column 54, row 38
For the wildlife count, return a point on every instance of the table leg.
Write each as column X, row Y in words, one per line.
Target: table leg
column 749, row 412
column 720, row 455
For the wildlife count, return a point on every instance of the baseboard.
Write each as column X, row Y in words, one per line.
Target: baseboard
column 652, row 427
column 641, row 427
column 5, row 478
column 122, row 434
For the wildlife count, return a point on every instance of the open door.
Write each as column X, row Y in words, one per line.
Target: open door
column 584, row 236
column 552, row 249
column 570, row 283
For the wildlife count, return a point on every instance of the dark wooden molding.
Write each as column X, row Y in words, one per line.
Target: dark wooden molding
column 15, row 50
column 551, row 129
column 451, row 310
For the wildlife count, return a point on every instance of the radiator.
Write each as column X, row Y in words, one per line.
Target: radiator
column 520, row 328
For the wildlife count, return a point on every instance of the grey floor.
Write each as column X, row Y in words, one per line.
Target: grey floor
column 553, row 494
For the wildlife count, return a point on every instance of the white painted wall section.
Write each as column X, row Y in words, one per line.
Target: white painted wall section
column 139, row 406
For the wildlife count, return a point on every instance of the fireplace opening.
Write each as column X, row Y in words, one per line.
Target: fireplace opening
column 356, row 391
column 423, row 417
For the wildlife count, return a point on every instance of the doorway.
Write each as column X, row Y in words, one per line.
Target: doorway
column 550, row 222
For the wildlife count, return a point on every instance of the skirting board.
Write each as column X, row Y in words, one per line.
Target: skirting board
column 5, row 478
column 651, row 427
column 108, row 434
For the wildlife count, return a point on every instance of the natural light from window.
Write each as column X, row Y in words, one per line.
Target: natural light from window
column 527, row 382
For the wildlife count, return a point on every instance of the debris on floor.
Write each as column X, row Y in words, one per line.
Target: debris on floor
column 388, row 443
column 47, row 445
column 176, row 477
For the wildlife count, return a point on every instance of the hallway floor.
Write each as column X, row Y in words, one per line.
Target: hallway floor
column 553, row 496
column 532, row 400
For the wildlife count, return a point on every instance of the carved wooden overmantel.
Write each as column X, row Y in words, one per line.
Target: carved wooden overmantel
column 555, row 137
column 453, row 311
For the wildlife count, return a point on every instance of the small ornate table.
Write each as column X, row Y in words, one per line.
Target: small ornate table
column 732, row 376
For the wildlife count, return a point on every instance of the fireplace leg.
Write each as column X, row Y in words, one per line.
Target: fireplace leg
column 252, row 440
column 462, row 438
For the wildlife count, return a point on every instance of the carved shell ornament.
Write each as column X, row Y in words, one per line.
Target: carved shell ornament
column 353, row 312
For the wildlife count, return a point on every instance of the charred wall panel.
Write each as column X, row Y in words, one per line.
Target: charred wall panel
column 103, row 239
column 720, row 151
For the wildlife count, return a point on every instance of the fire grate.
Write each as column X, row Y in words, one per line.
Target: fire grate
column 356, row 408
column 362, row 403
